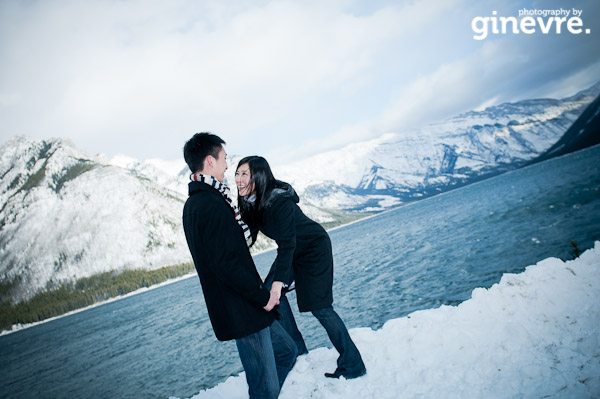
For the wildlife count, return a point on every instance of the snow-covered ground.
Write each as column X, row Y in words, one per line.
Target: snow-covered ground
column 533, row 335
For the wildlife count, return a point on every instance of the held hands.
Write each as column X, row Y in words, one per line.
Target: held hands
column 275, row 295
column 276, row 288
column 273, row 301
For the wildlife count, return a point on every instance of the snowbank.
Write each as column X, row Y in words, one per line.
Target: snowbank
column 533, row 335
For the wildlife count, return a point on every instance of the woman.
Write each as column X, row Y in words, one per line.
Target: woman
column 303, row 254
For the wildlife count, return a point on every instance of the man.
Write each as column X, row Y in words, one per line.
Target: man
column 238, row 305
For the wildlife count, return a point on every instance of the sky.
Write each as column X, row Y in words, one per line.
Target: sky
column 282, row 79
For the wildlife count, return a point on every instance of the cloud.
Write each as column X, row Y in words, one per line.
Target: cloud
column 508, row 69
column 127, row 68
column 274, row 77
column 503, row 68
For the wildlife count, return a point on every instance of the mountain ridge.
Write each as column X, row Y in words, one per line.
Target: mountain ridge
column 402, row 167
column 65, row 214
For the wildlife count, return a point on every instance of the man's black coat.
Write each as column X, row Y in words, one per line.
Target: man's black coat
column 232, row 287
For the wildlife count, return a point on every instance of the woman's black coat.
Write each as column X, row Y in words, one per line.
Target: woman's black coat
column 303, row 246
column 233, row 290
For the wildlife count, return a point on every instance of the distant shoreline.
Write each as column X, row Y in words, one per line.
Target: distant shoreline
column 20, row 327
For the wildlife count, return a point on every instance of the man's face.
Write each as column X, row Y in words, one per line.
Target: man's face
column 220, row 165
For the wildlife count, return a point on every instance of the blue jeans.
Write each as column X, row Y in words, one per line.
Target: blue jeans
column 349, row 360
column 267, row 357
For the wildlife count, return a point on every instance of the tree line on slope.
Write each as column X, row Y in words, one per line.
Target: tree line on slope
column 69, row 296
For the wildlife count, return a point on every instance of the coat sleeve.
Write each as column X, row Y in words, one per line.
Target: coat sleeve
column 254, row 234
column 229, row 256
column 282, row 221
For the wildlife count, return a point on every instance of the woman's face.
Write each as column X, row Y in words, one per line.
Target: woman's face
column 242, row 180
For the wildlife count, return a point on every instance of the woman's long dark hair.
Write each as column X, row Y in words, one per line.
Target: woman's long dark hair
column 264, row 182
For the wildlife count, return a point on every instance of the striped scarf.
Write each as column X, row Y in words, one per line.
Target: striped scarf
column 226, row 193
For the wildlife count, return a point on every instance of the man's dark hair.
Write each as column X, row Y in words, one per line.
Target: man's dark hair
column 199, row 147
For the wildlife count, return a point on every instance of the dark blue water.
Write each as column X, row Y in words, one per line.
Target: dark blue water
column 436, row 251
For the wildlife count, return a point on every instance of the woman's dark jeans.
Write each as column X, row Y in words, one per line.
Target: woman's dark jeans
column 349, row 362
column 288, row 322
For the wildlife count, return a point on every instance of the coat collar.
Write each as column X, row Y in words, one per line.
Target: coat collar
column 282, row 190
column 195, row 187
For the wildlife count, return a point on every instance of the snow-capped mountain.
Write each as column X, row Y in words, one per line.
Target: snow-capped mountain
column 585, row 132
column 66, row 215
column 405, row 166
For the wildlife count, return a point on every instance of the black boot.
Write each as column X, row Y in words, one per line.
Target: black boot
column 347, row 374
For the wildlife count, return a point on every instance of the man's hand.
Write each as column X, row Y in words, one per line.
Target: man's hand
column 276, row 288
column 273, row 301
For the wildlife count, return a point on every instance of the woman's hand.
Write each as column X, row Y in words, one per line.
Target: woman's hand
column 276, row 288
column 273, row 301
